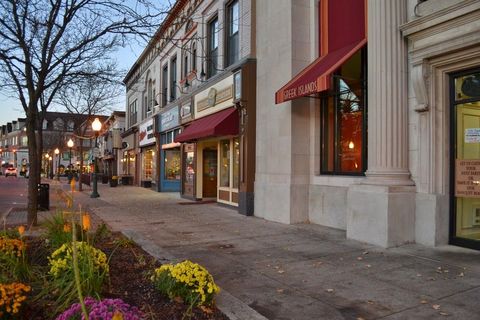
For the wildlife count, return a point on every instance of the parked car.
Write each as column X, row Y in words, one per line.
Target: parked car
column 11, row 171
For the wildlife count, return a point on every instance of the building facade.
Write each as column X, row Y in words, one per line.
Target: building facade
column 191, row 97
column 368, row 118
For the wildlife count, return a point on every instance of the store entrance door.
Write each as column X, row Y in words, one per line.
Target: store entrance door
column 209, row 173
column 465, row 219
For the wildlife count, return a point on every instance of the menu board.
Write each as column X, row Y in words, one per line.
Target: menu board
column 467, row 178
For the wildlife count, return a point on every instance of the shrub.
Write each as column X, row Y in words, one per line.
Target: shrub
column 92, row 266
column 11, row 297
column 187, row 280
column 107, row 309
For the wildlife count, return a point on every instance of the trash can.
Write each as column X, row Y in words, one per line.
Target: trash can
column 43, row 201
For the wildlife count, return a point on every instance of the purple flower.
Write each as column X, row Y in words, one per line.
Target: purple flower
column 101, row 310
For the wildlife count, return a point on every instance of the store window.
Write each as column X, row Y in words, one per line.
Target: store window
column 148, row 164
column 172, row 164
column 236, row 163
column 225, row 163
column 189, row 167
column 343, row 119
column 233, row 17
column 213, row 47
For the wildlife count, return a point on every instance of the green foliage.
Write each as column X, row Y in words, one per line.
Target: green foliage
column 14, row 265
column 59, row 231
column 101, row 233
column 92, row 268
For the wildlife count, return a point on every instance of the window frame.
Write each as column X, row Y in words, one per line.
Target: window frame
column 173, row 78
column 212, row 68
column 335, row 95
column 232, row 37
column 165, row 85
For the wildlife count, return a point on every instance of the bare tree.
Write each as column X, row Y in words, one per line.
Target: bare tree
column 45, row 45
column 92, row 96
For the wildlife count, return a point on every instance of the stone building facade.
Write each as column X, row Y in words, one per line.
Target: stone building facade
column 364, row 135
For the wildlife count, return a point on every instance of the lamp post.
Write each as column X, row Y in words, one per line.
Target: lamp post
column 96, row 126
column 70, row 146
column 47, row 169
column 57, row 154
column 50, row 161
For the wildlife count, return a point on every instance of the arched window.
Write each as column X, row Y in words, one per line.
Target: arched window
column 58, row 125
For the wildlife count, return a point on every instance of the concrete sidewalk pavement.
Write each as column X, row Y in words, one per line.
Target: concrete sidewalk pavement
column 295, row 271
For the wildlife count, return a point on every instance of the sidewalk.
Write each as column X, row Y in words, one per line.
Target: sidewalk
column 295, row 272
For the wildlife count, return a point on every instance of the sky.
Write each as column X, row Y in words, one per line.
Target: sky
column 11, row 109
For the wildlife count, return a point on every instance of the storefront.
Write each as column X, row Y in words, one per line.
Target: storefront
column 146, row 142
column 170, row 157
column 211, row 164
column 128, row 157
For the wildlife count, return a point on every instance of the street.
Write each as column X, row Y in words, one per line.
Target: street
column 13, row 193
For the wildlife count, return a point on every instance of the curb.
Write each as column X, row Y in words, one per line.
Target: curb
column 5, row 215
column 232, row 307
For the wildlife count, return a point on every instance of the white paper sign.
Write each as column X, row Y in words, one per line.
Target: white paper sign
column 472, row 135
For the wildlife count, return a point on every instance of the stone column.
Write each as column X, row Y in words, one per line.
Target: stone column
column 382, row 209
column 387, row 94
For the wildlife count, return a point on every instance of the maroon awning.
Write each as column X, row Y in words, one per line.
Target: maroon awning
column 343, row 31
column 223, row 123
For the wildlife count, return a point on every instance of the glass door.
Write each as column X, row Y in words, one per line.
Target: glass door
column 465, row 220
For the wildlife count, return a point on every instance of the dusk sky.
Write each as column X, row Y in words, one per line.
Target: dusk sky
column 11, row 109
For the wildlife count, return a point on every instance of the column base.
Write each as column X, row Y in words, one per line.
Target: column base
column 381, row 215
column 246, row 203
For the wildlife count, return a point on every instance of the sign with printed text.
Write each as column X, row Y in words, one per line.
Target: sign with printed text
column 467, row 178
column 169, row 119
column 472, row 135
column 146, row 133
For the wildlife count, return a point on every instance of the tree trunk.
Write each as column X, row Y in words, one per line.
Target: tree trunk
column 34, row 174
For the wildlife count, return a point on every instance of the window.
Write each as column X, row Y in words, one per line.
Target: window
column 194, row 57
column 233, row 17
column 173, row 79
column 165, row 86
column 343, row 119
column 212, row 47
column 185, row 63
column 70, row 125
column 133, row 112
column 172, row 164
column 58, row 125
column 225, row 163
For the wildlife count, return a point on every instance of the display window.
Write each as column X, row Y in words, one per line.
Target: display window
column 229, row 175
column 148, row 164
column 343, row 119
column 172, row 164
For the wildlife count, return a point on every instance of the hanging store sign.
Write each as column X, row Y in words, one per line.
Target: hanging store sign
column 146, row 133
column 467, row 178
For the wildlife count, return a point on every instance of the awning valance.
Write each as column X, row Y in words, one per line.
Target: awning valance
column 222, row 123
column 343, row 31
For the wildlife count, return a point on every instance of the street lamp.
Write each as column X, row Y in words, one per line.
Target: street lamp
column 96, row 126
column 70, row 146
column 57, row 154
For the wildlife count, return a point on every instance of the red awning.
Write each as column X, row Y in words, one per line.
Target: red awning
column 223, row 123
column 342, row 33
